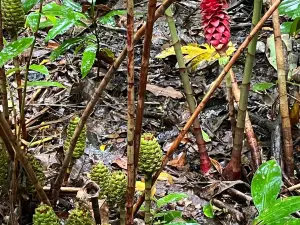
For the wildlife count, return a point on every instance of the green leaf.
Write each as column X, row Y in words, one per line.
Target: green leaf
column 60, row 28
column 286, row 27
column 29, row 4
column 170, row 198
column 286, row 221
column 290, row 8
column 45, row 84
column 108, row 19
column 32, row 19
column 73, row 5
column 262, row 86
column 208, row 210
column 182, row 223
column 62, row 11
column 295, row 27
column 66, row 45
column 14, row 49
column 278, row 210
column 88, row 59
column 265, row 185
column 205, row 136
column 169, row 216
column 39, row 68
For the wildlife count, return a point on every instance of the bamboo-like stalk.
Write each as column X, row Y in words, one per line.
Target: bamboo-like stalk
column 207, row 96
column 7, row 134
column 251, row 138
column 130, row 114
column 122, row 214
column 231, row 109
column 95, row 97
column 233, row 170
column 143, row 80
column 22, row 104
column 204, row 158
column 3, row 91
column 283, row 100
column 148, row 184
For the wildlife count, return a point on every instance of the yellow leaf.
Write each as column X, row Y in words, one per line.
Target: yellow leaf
column 140, row 186
column 44, row 127
column 166, row 53
column 165, row 176
column 44, row 61
column 102, row 148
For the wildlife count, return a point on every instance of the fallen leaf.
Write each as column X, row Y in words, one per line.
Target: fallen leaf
column 294, row 114
column 179, row 161
column 52, row 44
column 102, row 147
column 140, row 186
column 217, row 165
column 165, row 176
column 121, row 162
column 167, row 92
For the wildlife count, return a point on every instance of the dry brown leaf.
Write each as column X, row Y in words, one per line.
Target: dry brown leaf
column 121, row 162
column 179, row 161
column 217, row 165
column 167, row 92
column 52, row 44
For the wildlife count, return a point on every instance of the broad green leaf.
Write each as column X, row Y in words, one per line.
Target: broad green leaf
column 169, row 216
column 73, row 5
column 290, row 8
column 32, row 19
column 29, row 4
column 265, row 185
column 262, row 86
column 62, row 11
column 286, row 221
column 108, row 19
column 170, row 198
column 45, row 84
column 208, row 210
column 181, row 223
column 15, row 48
column 286, row 27
column 39, row 68
column 205, row 136
column 295, row 27
column 66, row 45
column 61, row 27
column 88, row 59
column 278, row 210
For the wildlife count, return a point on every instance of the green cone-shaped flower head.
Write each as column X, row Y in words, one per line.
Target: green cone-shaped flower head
column 38, row 169
column 150, row 154
column 117, row 187
column 4, row 159
column 45, row 215
column 80, row 216
column 80, row 145
column 101, row 175
column 13, row 15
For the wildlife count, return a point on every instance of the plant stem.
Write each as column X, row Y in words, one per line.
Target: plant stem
column 95, row 97
column 130, row 114
column 13, row 143
column 122, row 214
column 204, row 158
column 143, row 80
column 148, row 184
column 23, row 101
column 207, row 96
column 3, row 86
column 283, row 100
column 233, row 169
column 231, row 109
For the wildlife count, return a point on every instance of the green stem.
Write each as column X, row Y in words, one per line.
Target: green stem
column 204, row 159
column 148, row 184
column 122, row 214
column 240, row 126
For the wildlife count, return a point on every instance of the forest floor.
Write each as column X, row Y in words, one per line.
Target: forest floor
column 165, row 113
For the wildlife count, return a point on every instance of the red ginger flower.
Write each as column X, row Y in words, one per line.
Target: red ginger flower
column 215, row 22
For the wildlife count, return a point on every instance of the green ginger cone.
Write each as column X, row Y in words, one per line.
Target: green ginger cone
column 80, row 216
column 38, row 169
column 80, row 145
column 44, row 215
column 101, row 175
column 4, row 159
column 13, row 15
column 117, row 187
column 150, row 154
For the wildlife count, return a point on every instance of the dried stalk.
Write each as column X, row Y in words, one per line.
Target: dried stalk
column 233, row 169
column 8, row 135
column 130, row 113
column 3, row 91
column 251, row 138
column 89, row 108
column 204, row 158
column 283, row 100
column 205, row 99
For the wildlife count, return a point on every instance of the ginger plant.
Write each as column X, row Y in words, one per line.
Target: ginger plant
column 44, row 214
column 149, row 162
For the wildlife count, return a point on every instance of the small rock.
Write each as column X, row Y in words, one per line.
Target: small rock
column 138, row 221
column 260, row 47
